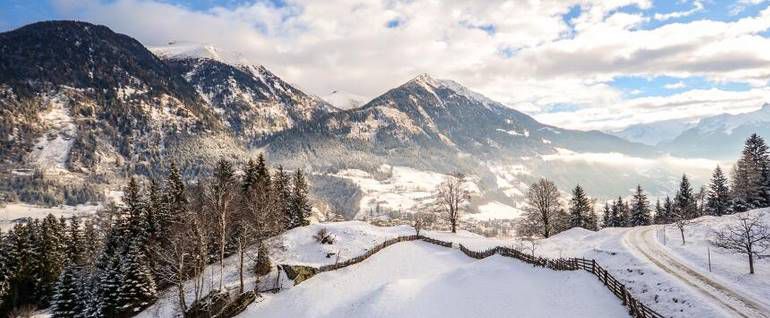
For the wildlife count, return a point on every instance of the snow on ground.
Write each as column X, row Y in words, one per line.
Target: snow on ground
column 727, row 268
column 352, row 238
column 418, row 279
column 406, row 189
column 52, row 149
column 13, row 213
column 495, row 211
column 415, row 279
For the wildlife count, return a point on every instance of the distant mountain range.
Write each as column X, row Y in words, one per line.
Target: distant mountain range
column 717, row 137
column 96, row 105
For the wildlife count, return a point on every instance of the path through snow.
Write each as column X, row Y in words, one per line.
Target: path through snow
column 733, row 303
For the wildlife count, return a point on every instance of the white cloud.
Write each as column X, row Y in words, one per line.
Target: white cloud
column 345, row 45
column 676, row 85
column 697, row 6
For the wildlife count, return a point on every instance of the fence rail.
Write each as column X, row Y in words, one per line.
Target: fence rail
column 636, row 308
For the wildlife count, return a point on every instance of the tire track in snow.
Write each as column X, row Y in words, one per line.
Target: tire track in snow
column 729, row 300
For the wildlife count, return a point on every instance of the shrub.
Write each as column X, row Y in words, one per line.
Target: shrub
column 324, row 236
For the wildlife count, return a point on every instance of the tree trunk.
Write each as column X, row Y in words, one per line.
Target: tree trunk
column 751, row 263
column 240, row 264
column 222, row 253
column 180, row 289
column 681, row 231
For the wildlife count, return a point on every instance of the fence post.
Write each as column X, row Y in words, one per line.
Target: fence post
column 593, row 266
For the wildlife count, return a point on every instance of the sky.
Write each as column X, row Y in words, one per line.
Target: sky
column 582, row 64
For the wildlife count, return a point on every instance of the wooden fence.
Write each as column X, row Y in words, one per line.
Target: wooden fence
column 368, row 253
column 636, row 308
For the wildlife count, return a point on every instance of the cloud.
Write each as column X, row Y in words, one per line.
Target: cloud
column 697, row 6
column 676, row 85
column 369, row 46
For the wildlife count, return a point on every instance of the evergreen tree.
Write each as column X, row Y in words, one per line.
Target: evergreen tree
column 685, row 205
column 300, row 204
column 718, row 200
column 175, row 198
column 282, row 190
column 593, row 220
column 617, row 213
column 109, row 282
column 579, row 208
column 668, row 208
column 262, row 266
column 153, row 211
column 640, row 208
column 66, row 301
column 249, row 176
column 750, row 182
column 659, row 213
column 607, row 215
column 50, row 259
column 137, row 288
column 75, row 245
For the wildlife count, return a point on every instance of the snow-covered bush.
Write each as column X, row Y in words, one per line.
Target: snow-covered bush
column 323, row 236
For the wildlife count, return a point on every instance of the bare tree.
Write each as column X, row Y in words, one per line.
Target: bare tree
column 681, row 222
column 452, row 195
column 172, row 258
column 748, row 235
column 422, row 220
column 543, row 213
column 219, row 198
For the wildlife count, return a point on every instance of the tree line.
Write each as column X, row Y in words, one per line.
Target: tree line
column 749, row 188
column 164, row 234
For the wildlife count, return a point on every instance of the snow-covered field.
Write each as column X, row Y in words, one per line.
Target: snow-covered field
column 13, row 213
column 495, row 210
column 418, row 279
column 405, row 189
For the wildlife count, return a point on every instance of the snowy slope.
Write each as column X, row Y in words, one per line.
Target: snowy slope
column 417, row 279
column 344, row 100
column 655, row 132
column 13, row 213
column 186, row 49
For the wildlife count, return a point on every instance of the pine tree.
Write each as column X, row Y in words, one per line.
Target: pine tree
column 50, row 259
column 718, row 200
column 66, row 302
column 750, row 182
column 75, row 245
column 659, row 213
column 668, row 209
column 579, row 208
column 175, row 198
column 282, row 190
column 108, row 287
column 262, row 266
column 592, row 221
column 685, row 205
column 640, row 208
column 607, row 215
column 249, row 176
column 300, row 205
column 154, row 210
column 617, row 213
column 137, row 288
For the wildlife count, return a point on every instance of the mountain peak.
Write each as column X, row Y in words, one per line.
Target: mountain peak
column 184, row 50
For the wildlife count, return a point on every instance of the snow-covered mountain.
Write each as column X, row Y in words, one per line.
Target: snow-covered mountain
column 87, row 99
column 719, row 137
column 655, row 132
column 106, row 106
column 344, row 100
column 252, row 101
